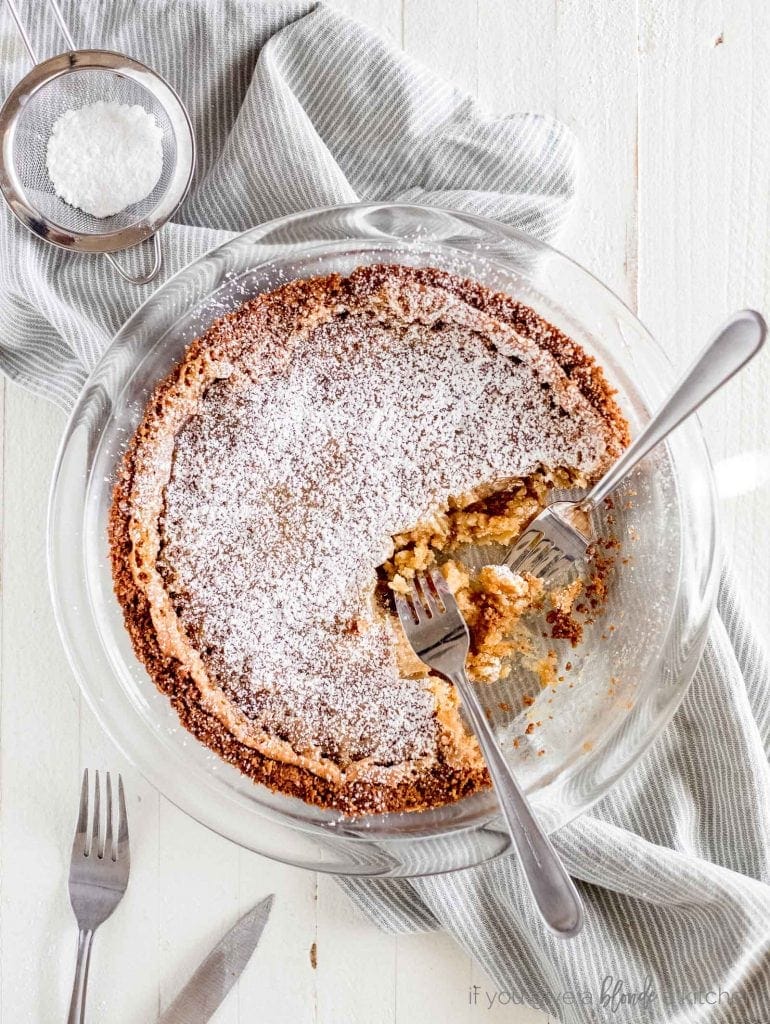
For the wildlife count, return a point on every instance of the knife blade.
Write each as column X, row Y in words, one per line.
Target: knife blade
column 211, row 982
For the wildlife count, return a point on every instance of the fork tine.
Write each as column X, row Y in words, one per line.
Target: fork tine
column 95, row 825
column 79, row 842
column 123, row 849
column 109, row 848
column 523, row 549
column 426, row 595
column 522, row 564
column 440, row 584
column 530, row 557
column 541, row 558
column 404, row 609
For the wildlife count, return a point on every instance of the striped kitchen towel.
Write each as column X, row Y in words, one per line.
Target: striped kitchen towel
column 295, row 106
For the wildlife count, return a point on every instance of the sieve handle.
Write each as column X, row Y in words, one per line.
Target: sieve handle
column 150, row 275
column 54, row 6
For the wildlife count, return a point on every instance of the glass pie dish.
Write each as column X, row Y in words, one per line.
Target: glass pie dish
column 632, row 667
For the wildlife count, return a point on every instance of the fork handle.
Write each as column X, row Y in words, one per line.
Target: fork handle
column 734, row 344
column 553, row 890
column 77, row 1014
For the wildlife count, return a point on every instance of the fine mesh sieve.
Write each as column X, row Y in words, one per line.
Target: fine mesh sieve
column 70, row 81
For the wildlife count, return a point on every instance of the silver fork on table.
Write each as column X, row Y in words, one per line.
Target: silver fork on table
column 98, row 877
column 562, row 533
column 438, row 633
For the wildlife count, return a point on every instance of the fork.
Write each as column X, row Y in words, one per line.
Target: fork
column 98, row 877
column 438, row 634
column 562, row 533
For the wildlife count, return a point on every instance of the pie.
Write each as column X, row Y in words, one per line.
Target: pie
column 313, row 450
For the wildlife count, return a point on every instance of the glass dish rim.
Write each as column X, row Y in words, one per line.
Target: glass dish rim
column 707, row 594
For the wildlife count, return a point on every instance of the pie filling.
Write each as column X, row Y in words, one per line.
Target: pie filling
column 266, row 507
column 505, row 611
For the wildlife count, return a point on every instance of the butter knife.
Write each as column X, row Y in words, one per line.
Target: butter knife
column 199, row 999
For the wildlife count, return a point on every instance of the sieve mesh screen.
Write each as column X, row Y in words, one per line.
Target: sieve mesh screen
column 74, row 89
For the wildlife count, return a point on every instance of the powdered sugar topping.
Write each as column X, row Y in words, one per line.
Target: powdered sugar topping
column 299, row 466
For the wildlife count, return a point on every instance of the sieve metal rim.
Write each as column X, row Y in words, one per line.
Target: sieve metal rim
column 43, row 74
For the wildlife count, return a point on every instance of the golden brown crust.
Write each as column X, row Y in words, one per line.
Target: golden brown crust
column 442, row 781
column 575, row 361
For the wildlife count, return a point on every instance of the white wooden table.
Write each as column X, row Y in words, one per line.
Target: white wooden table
column 671, row 101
